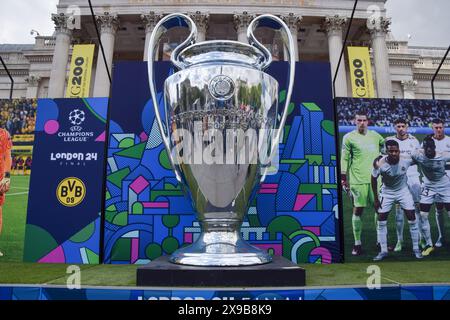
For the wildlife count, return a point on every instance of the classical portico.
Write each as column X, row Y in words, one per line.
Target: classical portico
column 378, row 28
column 33, row 85
column 150, row 21
column 241, row 23
column 334, row 25
column 409, row 89
column 293, row 21
column 201, row 20
column 63, row 37
column 318, row 34
column 109, row 23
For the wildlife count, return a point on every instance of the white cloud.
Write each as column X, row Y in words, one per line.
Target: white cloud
column 426, row 21
column 19, row 17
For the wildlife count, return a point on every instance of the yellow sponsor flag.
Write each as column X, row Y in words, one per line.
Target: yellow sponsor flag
column 80, row 71
column 361, row 72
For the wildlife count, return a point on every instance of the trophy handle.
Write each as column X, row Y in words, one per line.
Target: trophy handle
column 271, row 21
column 166, row 23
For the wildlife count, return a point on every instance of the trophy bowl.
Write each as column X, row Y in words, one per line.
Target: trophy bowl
column 221, row 130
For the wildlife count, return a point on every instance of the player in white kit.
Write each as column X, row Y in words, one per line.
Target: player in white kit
column 394, row 189
column 436, row 182
column 442, row 145
column 408, row 144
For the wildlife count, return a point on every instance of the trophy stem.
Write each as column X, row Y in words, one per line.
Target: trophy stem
column 220, row 244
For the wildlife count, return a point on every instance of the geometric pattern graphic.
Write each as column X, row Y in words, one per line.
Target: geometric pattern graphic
column 400, row 292
column 145, row 207
column 80, row 248
column 70, row 142
column 293, row 214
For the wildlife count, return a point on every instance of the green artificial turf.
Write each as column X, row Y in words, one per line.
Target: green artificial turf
column 316, row 275
column 391, row 273
column 14, row 220
column 433, row 269
column 32, row 273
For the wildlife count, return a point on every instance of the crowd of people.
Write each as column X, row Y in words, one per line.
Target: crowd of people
column 383, row 112
column 21, row 165
column 18, row 116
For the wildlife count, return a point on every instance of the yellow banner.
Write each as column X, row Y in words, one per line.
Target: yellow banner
column 23, row 138
column 22, row 150
column 361, row 72
column 80, row 71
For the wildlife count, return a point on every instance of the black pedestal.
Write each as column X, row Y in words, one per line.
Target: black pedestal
column 279, row 273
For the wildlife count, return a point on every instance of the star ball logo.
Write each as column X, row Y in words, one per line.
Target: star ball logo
column 71, row 192
column 76, row 133
column 76, row 118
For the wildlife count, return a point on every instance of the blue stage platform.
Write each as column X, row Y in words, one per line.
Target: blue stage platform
column 393, row 292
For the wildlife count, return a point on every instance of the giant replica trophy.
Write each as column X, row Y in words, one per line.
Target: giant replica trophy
column 221, row 89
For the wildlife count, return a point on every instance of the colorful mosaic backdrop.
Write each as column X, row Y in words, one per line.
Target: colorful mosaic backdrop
column 69, row 143
column 295, row 212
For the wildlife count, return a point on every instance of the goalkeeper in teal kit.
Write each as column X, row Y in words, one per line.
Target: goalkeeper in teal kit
column 359, row 149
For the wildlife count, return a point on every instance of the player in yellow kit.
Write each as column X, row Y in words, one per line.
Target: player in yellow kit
column 5, row 170
column 360, row 147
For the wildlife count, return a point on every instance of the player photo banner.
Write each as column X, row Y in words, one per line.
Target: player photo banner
column 361, row 72
column 65, row 198
column 80, row 71
column 395, row 169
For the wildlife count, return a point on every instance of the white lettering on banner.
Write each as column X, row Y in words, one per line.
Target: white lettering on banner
column 74, row 156
column 75, row 136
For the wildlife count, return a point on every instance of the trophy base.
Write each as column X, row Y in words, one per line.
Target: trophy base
column 281, row 273
column 220, row 249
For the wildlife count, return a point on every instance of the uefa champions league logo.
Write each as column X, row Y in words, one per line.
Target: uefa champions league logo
column 76, row 118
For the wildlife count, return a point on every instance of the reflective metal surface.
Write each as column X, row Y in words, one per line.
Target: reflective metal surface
column 220, row 108
column 222, row 52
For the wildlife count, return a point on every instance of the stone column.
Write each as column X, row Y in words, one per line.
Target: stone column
column 150, row 21
column 334, row 26
column 378, row 28
column 60, row 56
column 293, row 22
column 409, row 89
column 109, row 25
column 33, row 86
column 241, row 22
column 201, row 21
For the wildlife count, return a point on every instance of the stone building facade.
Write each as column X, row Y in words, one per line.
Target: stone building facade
column 399, row 70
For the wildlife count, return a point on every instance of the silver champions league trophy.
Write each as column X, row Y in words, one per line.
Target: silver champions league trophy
column 220, row 96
